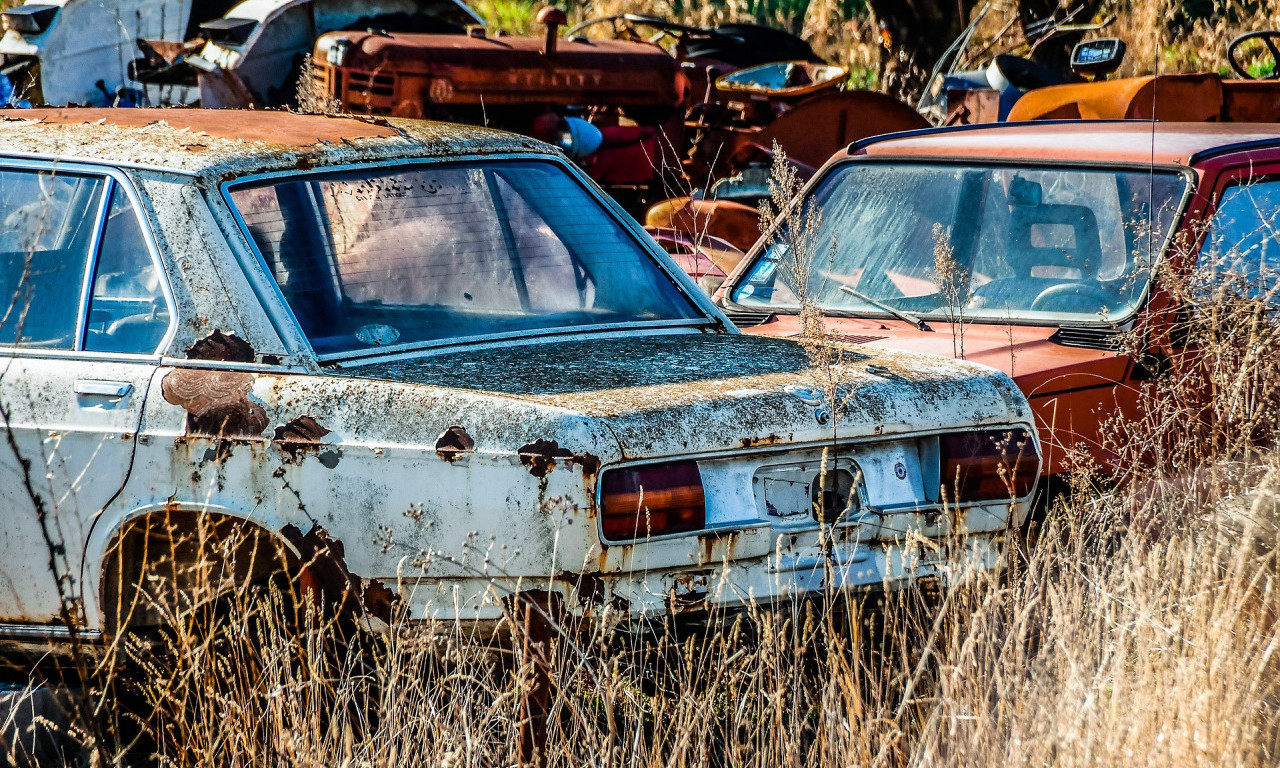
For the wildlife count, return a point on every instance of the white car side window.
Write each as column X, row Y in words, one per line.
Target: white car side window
column 47, row 227
column 127, row 312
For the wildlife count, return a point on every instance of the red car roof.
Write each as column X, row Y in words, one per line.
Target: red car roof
column 1099, row 140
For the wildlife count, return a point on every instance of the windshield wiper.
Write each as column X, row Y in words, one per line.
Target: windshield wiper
column 898, row 313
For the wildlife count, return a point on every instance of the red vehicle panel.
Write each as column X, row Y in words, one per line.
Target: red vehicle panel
column 1064, row 357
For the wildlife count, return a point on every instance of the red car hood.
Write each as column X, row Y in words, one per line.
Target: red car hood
column 1039, row 366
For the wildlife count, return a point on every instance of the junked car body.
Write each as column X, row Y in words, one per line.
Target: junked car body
column 442, row 357
column 1032, row 248
column 223, row 53
column 78, row 51
column 254, row 54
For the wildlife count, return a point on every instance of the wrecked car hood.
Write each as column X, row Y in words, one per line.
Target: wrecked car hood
column 662, row 395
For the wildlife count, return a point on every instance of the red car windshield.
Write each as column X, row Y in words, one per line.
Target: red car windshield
column 980, row 243
column 385, row 257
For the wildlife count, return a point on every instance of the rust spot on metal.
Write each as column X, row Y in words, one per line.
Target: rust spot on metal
column 270, row 359
column 540, row 456
column 379, row 600
column 590, row 464
column 217, row 402
column 299, row 436
column 239, row 125
column 325, row 570
column 223, row 347
column 752, row 442
column 689, row 593
column 589, row 587
column 304, row 164
column 453, row 442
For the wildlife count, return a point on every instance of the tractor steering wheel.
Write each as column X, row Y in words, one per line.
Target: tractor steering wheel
column 1269, row 37
column 625, row 25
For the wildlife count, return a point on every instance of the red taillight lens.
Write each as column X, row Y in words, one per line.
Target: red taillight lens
column 654, row 500
column 986, row 466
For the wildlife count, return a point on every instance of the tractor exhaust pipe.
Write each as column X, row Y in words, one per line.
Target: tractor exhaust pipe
column 554, row 18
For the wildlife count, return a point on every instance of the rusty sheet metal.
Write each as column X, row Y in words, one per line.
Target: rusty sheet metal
column 223, row 347
column 430, row 527
column 217, row 402
column 279, row 128
column 405, row 73
column 820, row 125
column 453, row 442
column 216, row 142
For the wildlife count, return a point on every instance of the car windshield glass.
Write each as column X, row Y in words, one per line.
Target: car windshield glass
column 972, row 243
column 379, row 257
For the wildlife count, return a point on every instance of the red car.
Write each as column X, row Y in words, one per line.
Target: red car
column 1027, row 247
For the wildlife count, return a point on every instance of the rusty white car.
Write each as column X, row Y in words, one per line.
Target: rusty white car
column 434, row 366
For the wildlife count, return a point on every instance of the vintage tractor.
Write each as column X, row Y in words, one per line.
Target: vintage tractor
column 615, row 106
column 652, row 109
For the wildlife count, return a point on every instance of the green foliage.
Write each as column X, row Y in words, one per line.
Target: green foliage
column 515, row 17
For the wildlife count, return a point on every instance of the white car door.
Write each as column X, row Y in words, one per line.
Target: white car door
column 84, row 310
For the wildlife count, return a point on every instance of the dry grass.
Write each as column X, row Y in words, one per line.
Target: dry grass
column 1102, row 648
column 1162, row 38
column 1163, row 35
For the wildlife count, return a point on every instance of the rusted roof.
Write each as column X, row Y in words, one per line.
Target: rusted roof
column 1098, row 140
column 208, row 141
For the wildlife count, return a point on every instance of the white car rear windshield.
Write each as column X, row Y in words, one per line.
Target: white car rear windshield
column 988, row 243
column 382, row 257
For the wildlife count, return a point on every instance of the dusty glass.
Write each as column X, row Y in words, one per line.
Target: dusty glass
column 993, row 242
column 378, row 258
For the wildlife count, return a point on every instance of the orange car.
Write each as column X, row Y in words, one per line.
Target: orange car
column 1051, row 230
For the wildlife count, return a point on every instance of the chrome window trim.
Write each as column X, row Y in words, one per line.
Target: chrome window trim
column 45, row 631
column 115, row 176
column 91, row 269
column 711, row 315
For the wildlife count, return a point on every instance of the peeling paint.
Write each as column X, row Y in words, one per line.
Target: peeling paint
column 453, row 442
column 217, row 402
column 540, row 456
column 299, row 436
column 223, row 347
column 325, row 567
column 589, row 587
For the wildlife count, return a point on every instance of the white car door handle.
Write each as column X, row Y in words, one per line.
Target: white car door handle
column 115, row 389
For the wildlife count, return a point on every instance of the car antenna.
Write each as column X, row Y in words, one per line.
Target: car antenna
column 898, row 313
